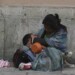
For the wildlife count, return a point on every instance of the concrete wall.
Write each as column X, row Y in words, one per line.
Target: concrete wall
column 16, row 21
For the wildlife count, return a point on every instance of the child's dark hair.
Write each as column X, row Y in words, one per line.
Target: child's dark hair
column 26, row 38
column 53, row 22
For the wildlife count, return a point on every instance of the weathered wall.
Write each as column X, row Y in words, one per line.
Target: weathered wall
column 16, row 21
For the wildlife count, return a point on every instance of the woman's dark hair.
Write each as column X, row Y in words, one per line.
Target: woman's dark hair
column 26, row 38
column 53, row 22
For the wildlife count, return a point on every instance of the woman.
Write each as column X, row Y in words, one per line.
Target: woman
column 55, row 34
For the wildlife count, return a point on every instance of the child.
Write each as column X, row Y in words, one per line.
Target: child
column 24, row 55
column 39, row 60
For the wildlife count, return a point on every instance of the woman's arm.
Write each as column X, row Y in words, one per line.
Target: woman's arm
column 58, row 41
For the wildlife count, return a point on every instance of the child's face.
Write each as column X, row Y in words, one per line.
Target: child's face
column 33, row 36
column 29, row 44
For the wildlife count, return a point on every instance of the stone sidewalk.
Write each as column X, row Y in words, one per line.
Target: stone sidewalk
column 13, row 71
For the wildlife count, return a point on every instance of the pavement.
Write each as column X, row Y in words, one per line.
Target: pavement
column 14, row 71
